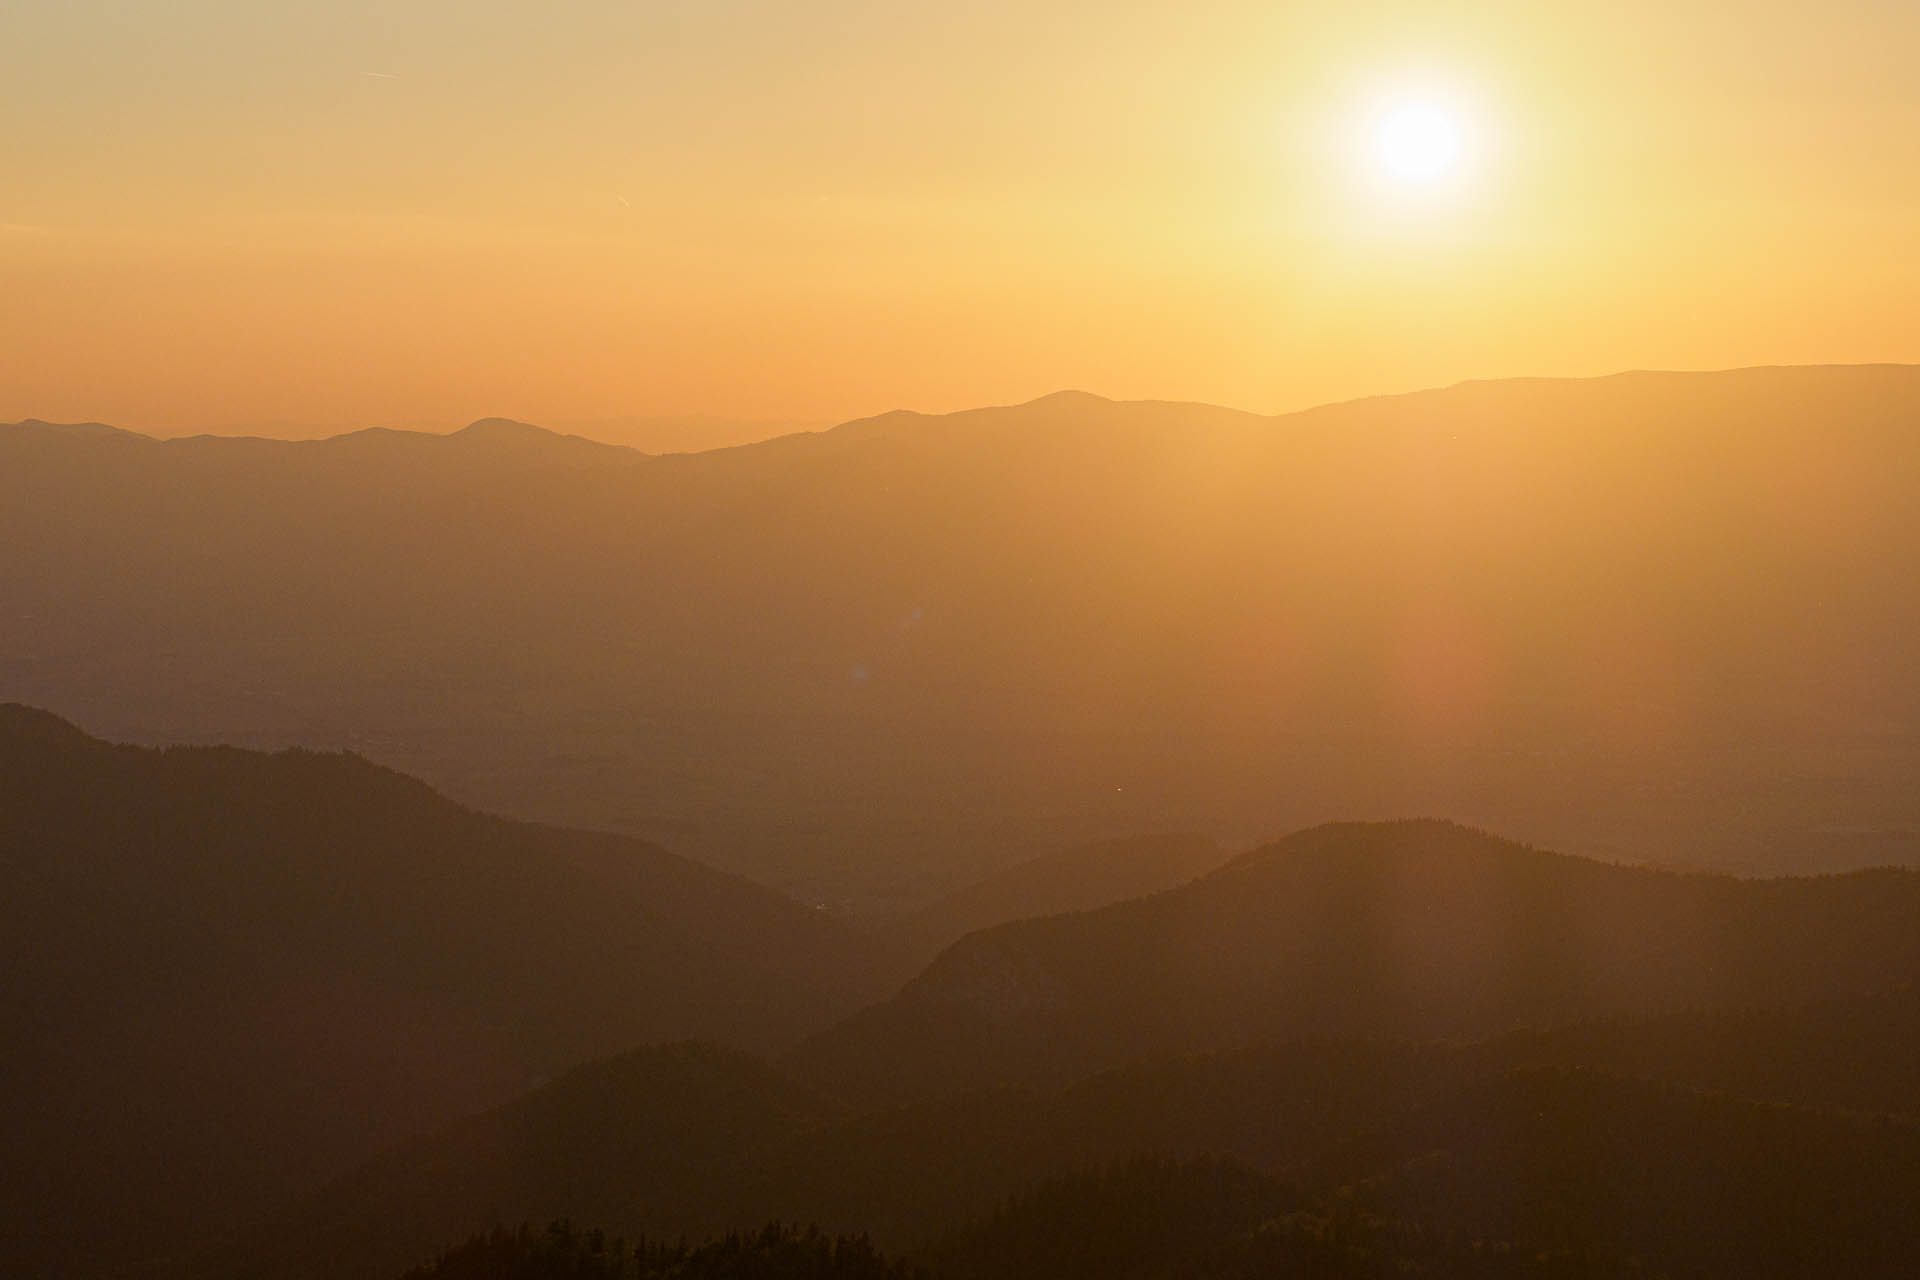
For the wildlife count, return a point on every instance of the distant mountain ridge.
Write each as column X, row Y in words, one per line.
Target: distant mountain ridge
column 1072, row 401
column 81, row 429
column 1658, row 616
column 496, row 433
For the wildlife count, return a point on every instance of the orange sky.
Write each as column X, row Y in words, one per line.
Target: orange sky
column 221, row 212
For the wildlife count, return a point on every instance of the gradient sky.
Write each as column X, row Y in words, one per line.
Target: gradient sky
column 217, row 212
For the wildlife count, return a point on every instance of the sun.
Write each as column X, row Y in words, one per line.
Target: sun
column 1418, row 143
column 1417, row 151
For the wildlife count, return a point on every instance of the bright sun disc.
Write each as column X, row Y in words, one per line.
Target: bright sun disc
column 1418, row 142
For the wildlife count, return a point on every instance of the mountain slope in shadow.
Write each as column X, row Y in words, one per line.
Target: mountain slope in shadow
column 687, row 1139
column 1406, row 930
column 232, row 975
column 1543, row 1174
column 1076, row 879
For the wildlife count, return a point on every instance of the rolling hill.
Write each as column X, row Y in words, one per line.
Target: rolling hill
column 1414, row 1011
column 685, row 1139
column 1658, row 616
column 1076, row 879
column 233, row 975
column 1538, row 1174
column 1410, row 930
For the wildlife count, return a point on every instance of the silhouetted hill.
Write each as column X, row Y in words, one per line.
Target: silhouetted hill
column 1860, row 1055
column 691, row 1140
column 601, row 1145
column 1148, row 1217
column 652, row 1142
column 232, row 975
column 1410, row 930
column 1076, row 879
column 1662, row 617
column 1622, row 1173
column 34, row 426
column 525, row 440
column 1470, row 1209
column 1543, row 1174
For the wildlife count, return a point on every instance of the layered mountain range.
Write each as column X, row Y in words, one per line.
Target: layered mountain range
column 1661, row 617
column 883, row 828
column 295, row 1014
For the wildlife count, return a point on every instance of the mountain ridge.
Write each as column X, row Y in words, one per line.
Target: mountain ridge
column 1417, row 929
column 1354, row 1118
column 1078, row 398
column 1662, row 617
column 1078, row 878
column 233, row 974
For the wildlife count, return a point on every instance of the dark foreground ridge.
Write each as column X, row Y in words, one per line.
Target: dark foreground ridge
column 231, row 975
column 287, row 1016
column 1771, row 1143
column 1691, row 1067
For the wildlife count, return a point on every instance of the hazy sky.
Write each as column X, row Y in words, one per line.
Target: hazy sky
column 425, row 211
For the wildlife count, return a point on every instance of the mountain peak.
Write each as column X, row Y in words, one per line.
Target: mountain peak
column 20, row 723
column 508, row 433
column 94, row 430
column 505, row 429
column 1067, row 399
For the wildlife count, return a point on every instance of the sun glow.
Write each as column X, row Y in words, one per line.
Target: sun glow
column 1418, row 143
